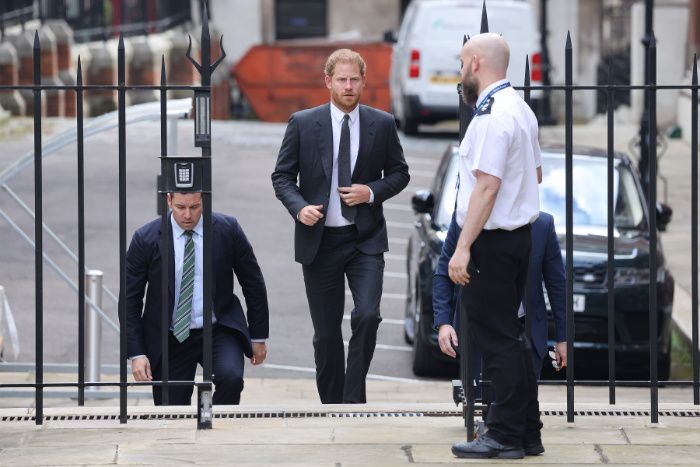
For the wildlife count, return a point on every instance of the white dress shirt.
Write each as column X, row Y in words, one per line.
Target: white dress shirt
column 179, row 239
column 334, row 216
column 502, row 141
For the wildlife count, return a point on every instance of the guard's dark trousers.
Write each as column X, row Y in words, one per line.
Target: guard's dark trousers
column 337, row 258
column 498, row 270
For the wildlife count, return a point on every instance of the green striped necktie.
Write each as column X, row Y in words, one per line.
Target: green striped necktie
column 183, row 314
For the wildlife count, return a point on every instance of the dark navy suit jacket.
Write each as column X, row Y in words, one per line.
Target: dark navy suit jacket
column 304, row 170
column 232, row 254
column 546, row 266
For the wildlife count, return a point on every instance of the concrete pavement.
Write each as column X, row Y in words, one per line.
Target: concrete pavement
column 407, row 423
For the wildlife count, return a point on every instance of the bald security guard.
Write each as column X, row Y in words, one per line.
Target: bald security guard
column 498, row 199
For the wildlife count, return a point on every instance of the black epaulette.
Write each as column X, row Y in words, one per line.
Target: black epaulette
column 486, row 109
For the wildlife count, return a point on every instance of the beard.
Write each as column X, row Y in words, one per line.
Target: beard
column 345, row 102
column 470, row 91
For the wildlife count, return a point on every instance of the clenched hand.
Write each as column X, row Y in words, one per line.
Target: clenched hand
column 355, row 194
column 311, row 214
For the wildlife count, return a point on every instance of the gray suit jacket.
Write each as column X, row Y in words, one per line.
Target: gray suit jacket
column 303, row 172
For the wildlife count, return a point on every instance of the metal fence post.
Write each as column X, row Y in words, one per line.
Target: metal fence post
column 93, row 327
column 569, row 138
column 202, row 139
column 38, row 237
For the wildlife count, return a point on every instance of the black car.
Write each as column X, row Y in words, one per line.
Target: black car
column 434, row 208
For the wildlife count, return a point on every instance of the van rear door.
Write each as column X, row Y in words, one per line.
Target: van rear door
column 437, row 35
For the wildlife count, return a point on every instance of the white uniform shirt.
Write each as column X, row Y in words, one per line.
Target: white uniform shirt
column 501, row 140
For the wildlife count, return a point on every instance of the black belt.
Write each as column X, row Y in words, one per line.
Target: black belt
column 340, row 229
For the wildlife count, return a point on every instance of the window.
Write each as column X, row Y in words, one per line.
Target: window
column 300, row 18
column 590, row 206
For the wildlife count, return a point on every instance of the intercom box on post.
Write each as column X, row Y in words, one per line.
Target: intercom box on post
column 183, row 174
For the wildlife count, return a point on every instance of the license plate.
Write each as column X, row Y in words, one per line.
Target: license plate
column 444, row 79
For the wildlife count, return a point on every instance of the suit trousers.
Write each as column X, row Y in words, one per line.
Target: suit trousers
column 227, row 366
column 498, row 271
column 337, row 258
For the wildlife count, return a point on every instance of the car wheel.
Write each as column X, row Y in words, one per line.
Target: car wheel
column 423, row 363
column 410, row 126
column 664, row 371
column 407, row 339
column 410, row 310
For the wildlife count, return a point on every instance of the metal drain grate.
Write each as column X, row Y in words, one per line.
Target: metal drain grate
column 31, row 418
column 241, row 415
column 624, row 413
column 284, row 414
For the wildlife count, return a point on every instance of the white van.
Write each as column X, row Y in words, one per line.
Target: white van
column 425, row 59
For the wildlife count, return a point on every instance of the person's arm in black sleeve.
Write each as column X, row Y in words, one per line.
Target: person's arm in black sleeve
column 137, row 266
column 443, row 295
column 396, row 175
column 285, row 175
column 247, row 270
column 555, row 283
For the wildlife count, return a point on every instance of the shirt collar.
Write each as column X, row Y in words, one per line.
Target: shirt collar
column 337, row 114
column 486, row 91
column 179, row 231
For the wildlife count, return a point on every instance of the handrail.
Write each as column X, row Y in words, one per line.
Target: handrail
column 179, row 108
column 18, row 13
column 159, row 25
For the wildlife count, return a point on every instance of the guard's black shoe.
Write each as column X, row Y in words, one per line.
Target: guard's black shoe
column 485, row 447
column 533, row 449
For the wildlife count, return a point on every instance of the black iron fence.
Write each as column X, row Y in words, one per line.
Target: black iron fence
column 202, row 95
column 202, row 139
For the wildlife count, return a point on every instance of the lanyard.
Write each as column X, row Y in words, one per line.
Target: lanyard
column 490, row 95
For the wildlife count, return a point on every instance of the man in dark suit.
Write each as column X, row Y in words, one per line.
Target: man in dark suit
column 231, row 333
column 545, row 265
column 337, row 164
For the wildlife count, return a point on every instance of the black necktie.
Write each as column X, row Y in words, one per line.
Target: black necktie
column 344, row 172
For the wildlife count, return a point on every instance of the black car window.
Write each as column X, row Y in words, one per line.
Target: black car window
column 442, row 214
column 590, row 194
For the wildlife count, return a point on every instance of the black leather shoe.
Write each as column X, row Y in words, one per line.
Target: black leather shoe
column 485, row 447
column 533, row 449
